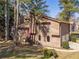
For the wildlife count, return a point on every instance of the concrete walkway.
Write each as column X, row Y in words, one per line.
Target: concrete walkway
column 63, row 50
column 73, row 46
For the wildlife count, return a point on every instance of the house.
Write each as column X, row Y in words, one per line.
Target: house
column 75, row 26
column 58, row 31
column 75, row 29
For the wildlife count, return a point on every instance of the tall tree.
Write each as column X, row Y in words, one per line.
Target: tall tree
column 69, row 7
column 36, row 9
column 6, row 21
column 16, row 17
column 2, row 21
column 4, row 18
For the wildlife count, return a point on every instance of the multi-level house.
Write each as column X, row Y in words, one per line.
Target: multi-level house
column 58, row 31
column 75, row 28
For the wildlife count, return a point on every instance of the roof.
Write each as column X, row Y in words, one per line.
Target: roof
column 57, row 20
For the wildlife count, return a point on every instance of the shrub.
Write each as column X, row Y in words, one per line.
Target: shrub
column 77, row 40
column 54, row 53
column 73, row 38
column 49, row 52
column 65, row 45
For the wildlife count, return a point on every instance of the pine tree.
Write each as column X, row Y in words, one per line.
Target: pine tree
column 2, row 21
column 36, row 9
column 5, row 6
column 6, row 21
column 69, row 7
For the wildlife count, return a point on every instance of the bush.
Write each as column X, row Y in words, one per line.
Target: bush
column 54, row 53
column 49, row 52
column 73, row 38
column 77, row 40
column 65, row 45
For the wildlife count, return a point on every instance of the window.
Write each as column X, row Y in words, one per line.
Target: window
column 39, row 37
column 48, row 39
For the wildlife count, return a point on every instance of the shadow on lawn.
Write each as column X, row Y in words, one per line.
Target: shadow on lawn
column 21, row 52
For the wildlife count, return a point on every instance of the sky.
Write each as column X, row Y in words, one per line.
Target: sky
column 54, row 9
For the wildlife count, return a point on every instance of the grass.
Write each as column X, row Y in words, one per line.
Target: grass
column 61, row 55
column 33, row 53
column 16, row 55
column 27, row 52
column 68, row 55
column 23, row 54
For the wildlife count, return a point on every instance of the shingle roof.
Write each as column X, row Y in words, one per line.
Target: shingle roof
column 57, row 20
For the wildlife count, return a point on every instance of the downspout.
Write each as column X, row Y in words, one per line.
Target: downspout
column 70, row 30
column 60, row 34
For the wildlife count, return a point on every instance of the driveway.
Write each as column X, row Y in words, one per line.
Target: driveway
column 74, row 45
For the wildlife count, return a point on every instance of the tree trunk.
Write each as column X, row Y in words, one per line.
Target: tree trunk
column 16, row 20
column 6, row 21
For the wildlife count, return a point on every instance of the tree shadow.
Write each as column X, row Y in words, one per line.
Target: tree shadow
column 21, row 52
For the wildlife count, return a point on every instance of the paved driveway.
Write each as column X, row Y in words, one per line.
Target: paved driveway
column 74, row 45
